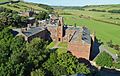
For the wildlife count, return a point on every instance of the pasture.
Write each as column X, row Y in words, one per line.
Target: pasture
column 103, row 7
column 104, row 31
column 22, row 6
column 103, row 16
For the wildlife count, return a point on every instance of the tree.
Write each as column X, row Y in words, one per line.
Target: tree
column 104, row 59
column 5, row 42
column 110, row 43
column 38, row 72
column 64, row 64
column 36, row 52
column 72, row 64
column 13, row 57
column 42, row 15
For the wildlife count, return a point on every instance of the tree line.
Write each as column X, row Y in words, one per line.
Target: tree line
column 110, row 11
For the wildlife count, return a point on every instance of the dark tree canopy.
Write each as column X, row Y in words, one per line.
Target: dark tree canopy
column 64, row 64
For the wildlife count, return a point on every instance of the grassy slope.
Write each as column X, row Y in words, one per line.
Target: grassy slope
column 104, row 7
column 21, row 6
column 104, row 31
column 104, row 16
column 3, row 0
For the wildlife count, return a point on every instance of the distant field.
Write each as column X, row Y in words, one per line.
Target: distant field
column 103, row 7
column 104, row 31
column 3, row 0
column 22, row 6
column 104, row 16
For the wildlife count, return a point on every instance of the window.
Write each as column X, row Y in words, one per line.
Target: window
column 59, row 39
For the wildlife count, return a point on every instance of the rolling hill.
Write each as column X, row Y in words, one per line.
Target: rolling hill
column 103, row 7
column 105, row 24
column 23, row 6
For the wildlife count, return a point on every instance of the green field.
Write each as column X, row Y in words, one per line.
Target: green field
column 22, row 6
column 103, row 16
column 51, row 45
column 4, row 0
column 104, row 31
column 103, row 7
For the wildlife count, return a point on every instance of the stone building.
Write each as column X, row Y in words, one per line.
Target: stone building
column 78, row 38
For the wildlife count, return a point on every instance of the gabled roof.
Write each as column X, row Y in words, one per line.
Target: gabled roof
column 33, row 31
column 83, row 32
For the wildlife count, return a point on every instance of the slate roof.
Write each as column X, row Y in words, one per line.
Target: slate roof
column 84, row 32
column 33, row 30
column 86, row 35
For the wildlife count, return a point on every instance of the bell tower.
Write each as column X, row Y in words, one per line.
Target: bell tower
column 60, row 29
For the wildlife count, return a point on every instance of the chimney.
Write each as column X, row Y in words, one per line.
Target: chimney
column 23, row 30
column 28, row 26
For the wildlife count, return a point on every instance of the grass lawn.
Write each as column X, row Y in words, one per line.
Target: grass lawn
column 51, row 45
column 62, row 48
column 63, row 45
column 61, row 51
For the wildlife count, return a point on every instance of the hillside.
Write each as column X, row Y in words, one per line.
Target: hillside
column 3, row 0
column 103, row 7
column 95, row 20
column 7, row 0
column 23, row 6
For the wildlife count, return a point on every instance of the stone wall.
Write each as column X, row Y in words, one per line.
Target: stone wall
column 79, row 50
column 41, row 34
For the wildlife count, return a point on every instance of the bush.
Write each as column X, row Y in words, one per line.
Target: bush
column 116, row 65
column 110, row 44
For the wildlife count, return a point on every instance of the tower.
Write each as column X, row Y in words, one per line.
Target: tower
column 60, row 29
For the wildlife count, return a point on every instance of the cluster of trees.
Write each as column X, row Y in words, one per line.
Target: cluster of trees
column 110, row 44
column 110, row 11
column 73, row 7
column 97, row 10
column 17, row 57
column 10, row 17
column 64, row 64
column 65, row 13
column 114, row 11
column 42, row 15
column 20, row 58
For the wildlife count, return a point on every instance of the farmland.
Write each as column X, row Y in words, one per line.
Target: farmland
column 103, row 7
column 23, row 6
column 104, row 31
